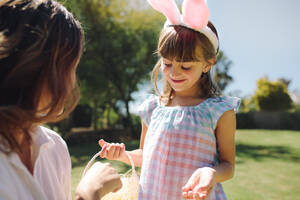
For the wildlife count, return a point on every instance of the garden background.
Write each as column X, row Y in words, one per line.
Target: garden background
column 114, row 75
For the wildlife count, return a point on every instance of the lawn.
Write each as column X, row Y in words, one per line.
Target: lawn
column 267, row 165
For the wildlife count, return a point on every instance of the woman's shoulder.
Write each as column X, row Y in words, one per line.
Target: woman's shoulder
column 51, row 134
column 51, row 138
column 55, row 148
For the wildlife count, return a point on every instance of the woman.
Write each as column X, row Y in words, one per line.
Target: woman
column 40, row 47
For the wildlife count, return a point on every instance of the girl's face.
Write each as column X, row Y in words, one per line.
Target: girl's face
column 183, row 76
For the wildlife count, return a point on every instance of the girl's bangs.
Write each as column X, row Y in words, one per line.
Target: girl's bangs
column 178, row 44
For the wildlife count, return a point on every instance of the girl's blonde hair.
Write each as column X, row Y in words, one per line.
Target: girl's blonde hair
column 185, row 45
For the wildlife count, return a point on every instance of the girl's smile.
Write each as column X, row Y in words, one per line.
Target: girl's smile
column 177, row 81
column 183, row 76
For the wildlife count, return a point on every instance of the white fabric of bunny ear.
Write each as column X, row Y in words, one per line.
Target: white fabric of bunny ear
column 211, row 36
column 167, row 8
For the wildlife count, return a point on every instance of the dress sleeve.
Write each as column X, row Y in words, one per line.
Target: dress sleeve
column 222, row 104
column 146, row 108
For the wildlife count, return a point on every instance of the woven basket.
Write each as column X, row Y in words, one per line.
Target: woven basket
column 130, row 181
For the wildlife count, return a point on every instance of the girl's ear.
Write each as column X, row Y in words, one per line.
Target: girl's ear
column 207, row 68
column 211, row 62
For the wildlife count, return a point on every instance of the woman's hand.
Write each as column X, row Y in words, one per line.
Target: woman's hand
column 99, row 180
column 112, row 151
column 200, row 184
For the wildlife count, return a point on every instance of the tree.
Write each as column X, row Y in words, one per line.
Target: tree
column 287, row 82
column 221, row 73
column 272, row 96
column 120, row 40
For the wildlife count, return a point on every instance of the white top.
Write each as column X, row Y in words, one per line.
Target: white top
column 51, row 178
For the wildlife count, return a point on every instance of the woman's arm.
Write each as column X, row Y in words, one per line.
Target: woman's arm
column 99, row 180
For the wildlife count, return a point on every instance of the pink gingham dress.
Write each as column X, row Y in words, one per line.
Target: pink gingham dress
column 179, row 140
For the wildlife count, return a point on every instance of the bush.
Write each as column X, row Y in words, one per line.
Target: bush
column 269, row 120
column 244, row 121
column 293, row 121
column 137, row 126
column 272, row 96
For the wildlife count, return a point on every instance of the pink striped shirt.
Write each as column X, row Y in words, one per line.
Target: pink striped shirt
column 179, row 140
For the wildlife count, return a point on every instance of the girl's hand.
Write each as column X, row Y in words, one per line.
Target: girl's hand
column 200, row 184
column 112, row 151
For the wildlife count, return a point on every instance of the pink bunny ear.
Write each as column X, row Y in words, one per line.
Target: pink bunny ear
column 168, row 8
column 195, row 13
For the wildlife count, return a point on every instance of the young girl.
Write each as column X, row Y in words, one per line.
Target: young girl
column 187, row 143
column 40, row 47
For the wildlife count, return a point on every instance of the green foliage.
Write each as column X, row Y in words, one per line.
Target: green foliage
column 81, row 116
column 121, row 36
column 272, row 96
column 297, row 108
column 221, row 74
column 285, row 81
column 136, row 120
column 247, row 105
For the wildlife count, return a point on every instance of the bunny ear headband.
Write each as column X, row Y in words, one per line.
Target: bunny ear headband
column 195, row 15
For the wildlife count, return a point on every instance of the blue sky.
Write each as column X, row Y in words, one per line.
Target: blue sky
column 261, row 37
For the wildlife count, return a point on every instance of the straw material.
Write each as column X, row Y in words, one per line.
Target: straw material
column 130, row 181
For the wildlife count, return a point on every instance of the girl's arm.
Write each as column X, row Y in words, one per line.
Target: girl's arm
column 137, row 155
column 114, row 151
column 203, row 179
column 225, row 132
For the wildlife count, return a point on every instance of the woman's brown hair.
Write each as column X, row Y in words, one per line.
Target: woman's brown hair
column 185, row 45
column 40, row 47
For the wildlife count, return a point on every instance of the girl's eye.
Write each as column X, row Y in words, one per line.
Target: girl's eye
column 185, row 68
column 168, row 65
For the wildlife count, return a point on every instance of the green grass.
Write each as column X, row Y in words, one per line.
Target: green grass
column 267, row 165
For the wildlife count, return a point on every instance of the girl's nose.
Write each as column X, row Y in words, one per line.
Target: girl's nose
column 174, row 71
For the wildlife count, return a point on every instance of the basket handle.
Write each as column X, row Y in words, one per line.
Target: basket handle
column 97, row 154
column 131, row 162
